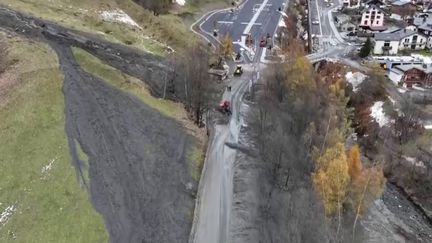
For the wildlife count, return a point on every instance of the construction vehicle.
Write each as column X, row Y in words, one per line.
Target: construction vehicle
column 219, row 68
column 238, row 71
column 263, row 42
column 225, row 107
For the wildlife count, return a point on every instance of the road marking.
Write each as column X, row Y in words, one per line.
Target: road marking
column 255, row 17
column 259, row 24
column 316, row 2
column 225, row 22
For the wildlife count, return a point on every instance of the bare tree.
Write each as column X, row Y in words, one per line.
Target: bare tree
column 198, row 85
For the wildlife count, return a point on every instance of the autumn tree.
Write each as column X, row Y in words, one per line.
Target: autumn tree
column 331, row 177
column 300, row 75
column 366, row 184
column 227, row 47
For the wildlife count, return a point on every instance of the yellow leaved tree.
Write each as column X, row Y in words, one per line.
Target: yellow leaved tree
column 331, row 177
column 227, row 47
column 300, row 75
column 367, row 184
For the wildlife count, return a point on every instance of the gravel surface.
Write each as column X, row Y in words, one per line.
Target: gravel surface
column 139, row 179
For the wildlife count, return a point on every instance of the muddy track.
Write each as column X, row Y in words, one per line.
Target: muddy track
column 145, row 66
column 137, row 163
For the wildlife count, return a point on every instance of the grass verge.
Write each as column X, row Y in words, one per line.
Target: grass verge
column 36, row 174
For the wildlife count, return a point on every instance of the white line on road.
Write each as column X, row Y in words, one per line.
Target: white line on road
column 253, row 24
column 225, row 22
column 255, row 17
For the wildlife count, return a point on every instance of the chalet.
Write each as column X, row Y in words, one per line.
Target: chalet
column 426, row 30
column 372, row 18
column 403, row 39
column 404, row 9
column 410, row 75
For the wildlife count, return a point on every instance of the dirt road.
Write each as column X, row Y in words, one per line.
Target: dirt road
column 216, row 186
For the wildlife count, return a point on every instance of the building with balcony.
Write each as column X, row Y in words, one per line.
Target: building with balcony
column 403, row 39
column 412, row 75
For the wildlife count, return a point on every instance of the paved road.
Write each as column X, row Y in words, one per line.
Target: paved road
column 257, row 17
column 215, row 193
column 331, row 44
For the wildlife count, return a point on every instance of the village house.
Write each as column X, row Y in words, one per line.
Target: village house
column 412, row 75
column 351, row 3
column 404, row 39
column 403, row 9
column 344, row 24
column 372, row 18
column 367, row 3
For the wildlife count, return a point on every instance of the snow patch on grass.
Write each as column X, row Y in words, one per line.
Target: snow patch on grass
column 401, row 90
column 377, row 113
column 355, row 79
column 6, row 214
column 282, row 23
column 118, row 16
column 180, row 2
column 428, row 127
column 48, row 167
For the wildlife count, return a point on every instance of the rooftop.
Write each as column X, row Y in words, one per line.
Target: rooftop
column 395, row 35
column 400, row 2
column 425, row 68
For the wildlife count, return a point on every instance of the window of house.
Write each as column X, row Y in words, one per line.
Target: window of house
column 367, row 12
column 378, row 17
column 377, row 22
column 386, row 44
column 406, row 40
column 365, row 22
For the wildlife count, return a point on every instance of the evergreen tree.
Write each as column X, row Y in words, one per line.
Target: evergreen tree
column 366, row 49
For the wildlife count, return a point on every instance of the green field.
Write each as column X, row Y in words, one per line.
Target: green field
column 36, row 175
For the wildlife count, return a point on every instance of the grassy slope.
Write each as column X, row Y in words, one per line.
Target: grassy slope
column 136, row 87
column 83, row 15
column 50, row 206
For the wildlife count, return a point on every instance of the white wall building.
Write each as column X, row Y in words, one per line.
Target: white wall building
column 372, row 18
column 404, row 39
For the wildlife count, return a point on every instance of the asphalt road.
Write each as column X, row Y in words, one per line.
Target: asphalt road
column 257, row 17
column 331, row 44
column 216, row 186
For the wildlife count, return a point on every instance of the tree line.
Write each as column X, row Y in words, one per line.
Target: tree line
column 302, row 123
